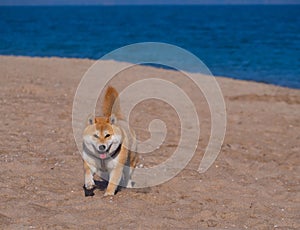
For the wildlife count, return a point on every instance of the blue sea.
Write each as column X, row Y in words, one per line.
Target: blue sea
column 256, row 42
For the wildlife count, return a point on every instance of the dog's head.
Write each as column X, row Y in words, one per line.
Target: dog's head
column 102, row 137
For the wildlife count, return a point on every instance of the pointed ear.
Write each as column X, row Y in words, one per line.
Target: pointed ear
column 91, row 119
column 112, row 119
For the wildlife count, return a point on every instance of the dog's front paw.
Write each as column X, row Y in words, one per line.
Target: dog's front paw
column 90, row 184
column 88, row 192
column 109, row 193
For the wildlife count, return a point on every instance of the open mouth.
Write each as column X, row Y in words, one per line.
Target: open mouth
column 107, row 153
column 102, row 155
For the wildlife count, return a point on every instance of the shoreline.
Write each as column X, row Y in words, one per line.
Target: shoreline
column 95, row 60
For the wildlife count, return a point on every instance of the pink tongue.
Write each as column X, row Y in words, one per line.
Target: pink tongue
column 102, row 156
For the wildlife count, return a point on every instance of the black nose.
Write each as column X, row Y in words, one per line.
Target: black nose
column 102, row 147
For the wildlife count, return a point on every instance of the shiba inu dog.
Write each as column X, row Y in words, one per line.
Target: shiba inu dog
column 106, row 147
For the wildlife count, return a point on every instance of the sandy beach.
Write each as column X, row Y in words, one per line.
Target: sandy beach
column 253, row 184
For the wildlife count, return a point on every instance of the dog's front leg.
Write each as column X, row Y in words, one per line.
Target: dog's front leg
column 89, row 182
column 114, row 180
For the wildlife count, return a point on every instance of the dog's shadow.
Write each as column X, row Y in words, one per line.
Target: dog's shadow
column 99, row 185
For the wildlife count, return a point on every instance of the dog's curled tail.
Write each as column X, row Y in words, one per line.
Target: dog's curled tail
column 111, row 103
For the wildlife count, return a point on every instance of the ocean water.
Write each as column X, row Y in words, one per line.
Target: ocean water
column 257, row 43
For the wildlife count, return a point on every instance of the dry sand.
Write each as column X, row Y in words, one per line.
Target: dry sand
column 254, row 183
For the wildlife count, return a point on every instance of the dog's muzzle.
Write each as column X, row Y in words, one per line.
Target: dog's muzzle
column 102, row 148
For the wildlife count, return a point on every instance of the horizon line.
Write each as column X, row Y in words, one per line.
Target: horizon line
column 162, row 4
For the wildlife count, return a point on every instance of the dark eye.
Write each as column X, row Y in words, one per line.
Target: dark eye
column 95, row 135
column 107, row 135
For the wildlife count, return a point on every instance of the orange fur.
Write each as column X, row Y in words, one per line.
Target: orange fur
column 111, row 103
column 104, row 146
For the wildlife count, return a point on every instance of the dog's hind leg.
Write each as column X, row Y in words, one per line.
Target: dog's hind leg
column 133, row 160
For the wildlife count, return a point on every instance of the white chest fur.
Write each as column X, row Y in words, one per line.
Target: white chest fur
column 98, row 165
